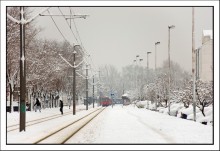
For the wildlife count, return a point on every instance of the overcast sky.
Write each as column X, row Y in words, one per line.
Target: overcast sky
column 115, row 35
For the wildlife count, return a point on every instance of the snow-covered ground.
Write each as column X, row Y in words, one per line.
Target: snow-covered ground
column 117, row 125
column 130, row 125
column 176, row 109
column 13, row 118
column 33, row 133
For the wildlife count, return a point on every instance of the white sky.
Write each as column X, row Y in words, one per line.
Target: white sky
column 115, row 35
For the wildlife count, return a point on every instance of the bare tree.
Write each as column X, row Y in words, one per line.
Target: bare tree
column 13, row 47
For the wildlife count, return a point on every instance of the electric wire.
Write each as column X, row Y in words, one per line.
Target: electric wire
column 87, row 56
column 67, row 24
column 57, row 26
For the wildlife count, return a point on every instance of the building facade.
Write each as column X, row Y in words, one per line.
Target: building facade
column 204, row 57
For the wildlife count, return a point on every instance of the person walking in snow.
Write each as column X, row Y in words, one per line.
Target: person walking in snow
column 61, row 107
column 38, row 105
column 69, row 101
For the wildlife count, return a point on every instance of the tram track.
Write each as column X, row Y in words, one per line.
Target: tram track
column 63, row 134
column 14, row 127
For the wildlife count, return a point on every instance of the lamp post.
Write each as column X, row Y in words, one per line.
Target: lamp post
column 197, row 62
column 134, row 75
column 169, row 27
column 141, row 83
column 156, row 43
column 147, row 60
column 137, row 56
column 148, row 73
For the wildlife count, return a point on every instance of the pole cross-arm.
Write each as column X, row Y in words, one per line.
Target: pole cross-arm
column 37, row 14
column 81, row 75
column 66, row 60
column 84, row 76
column 80, row 63
column 26, row 21
column 13, row 19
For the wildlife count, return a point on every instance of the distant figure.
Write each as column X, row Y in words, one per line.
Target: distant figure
column 38, row 105
column 61, row 107
column 69, row 103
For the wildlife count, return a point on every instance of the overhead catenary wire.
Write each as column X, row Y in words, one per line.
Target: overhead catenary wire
column 87, row 56
column 67, row 24
column 73, row 32
column 77, row 31
column 57, row 27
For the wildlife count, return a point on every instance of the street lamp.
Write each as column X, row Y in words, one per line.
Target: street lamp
column 141, row 83
column 169, row 27
column 156, row 43
column 147, row 60
column 197, row 62
column 134, row 60
column 148, row 74
column 134, row 74
column 136, row 83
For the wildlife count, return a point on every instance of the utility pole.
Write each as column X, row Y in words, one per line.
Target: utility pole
column 169, row 27
column 93, row 86
column 22, row 23
column 22, row 72
column 74, row 80
column 74, row 66
column 99, row 89
column 193, row 66
column 86, row 86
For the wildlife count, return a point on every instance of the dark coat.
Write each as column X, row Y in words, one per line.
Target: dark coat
column 61, row 104
column 37, row 102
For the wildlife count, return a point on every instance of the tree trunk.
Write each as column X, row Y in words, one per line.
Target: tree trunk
column 202, row 110
column 11, row 98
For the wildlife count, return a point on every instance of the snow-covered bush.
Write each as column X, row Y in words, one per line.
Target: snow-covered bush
column 174, row 108
column 204, row 95
column 142, row 104
column 163, row 110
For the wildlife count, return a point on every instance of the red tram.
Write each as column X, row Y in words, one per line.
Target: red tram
column 105, row 101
